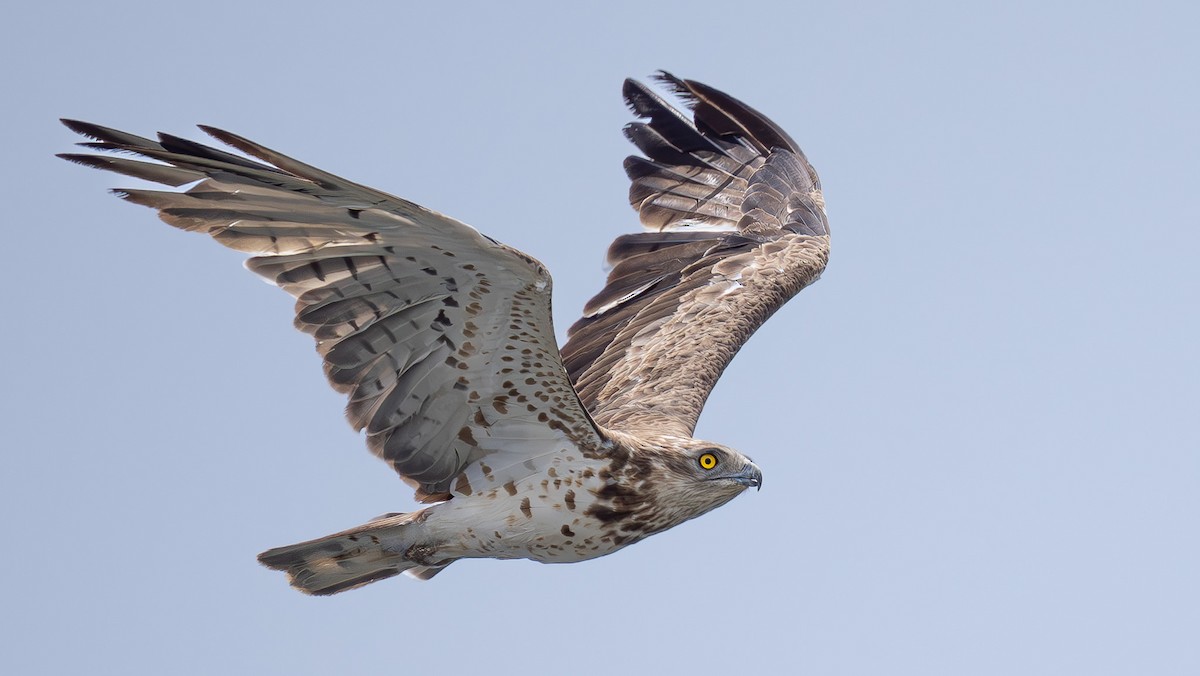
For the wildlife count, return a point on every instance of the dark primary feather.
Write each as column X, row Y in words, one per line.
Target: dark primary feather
column 718, row 113
column 719, row 196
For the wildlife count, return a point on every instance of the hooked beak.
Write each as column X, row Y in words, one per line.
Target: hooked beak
column 750, row 476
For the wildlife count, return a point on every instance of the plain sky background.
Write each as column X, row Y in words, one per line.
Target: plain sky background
column 978, row 430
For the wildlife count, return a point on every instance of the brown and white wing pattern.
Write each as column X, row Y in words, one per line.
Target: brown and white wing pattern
column 441, row 337
column 735, row 226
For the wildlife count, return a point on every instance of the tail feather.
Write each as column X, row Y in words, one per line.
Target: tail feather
column 352, row 558
column 424, row 572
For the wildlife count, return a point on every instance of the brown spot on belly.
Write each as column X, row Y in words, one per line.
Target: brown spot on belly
column 569, row 498
column 566, row 530
column 525, row 509
column 422, row 496
column 462, row 485
column 607, row 514
column 466, row 437
column 511, row 488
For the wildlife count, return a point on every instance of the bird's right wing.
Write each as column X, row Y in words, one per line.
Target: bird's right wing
column 441, row 337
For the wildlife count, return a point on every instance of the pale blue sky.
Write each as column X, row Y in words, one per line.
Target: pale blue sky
column 978, row 430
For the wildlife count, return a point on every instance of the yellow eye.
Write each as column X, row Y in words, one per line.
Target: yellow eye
column 708, row 461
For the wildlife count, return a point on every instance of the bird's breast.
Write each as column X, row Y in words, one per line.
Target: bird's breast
column 572, row 510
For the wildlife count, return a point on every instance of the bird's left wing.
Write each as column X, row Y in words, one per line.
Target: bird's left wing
column 735, row 226
column 440, row 336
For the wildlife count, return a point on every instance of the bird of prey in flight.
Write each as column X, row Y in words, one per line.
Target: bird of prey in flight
column 442, row 340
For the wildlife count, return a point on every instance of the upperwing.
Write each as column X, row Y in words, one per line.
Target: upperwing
column 734, row 227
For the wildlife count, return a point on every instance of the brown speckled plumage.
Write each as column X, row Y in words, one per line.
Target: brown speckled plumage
column 442, row 338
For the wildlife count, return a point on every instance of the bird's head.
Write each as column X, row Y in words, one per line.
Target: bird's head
column 692, row 477
column 717, row 469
